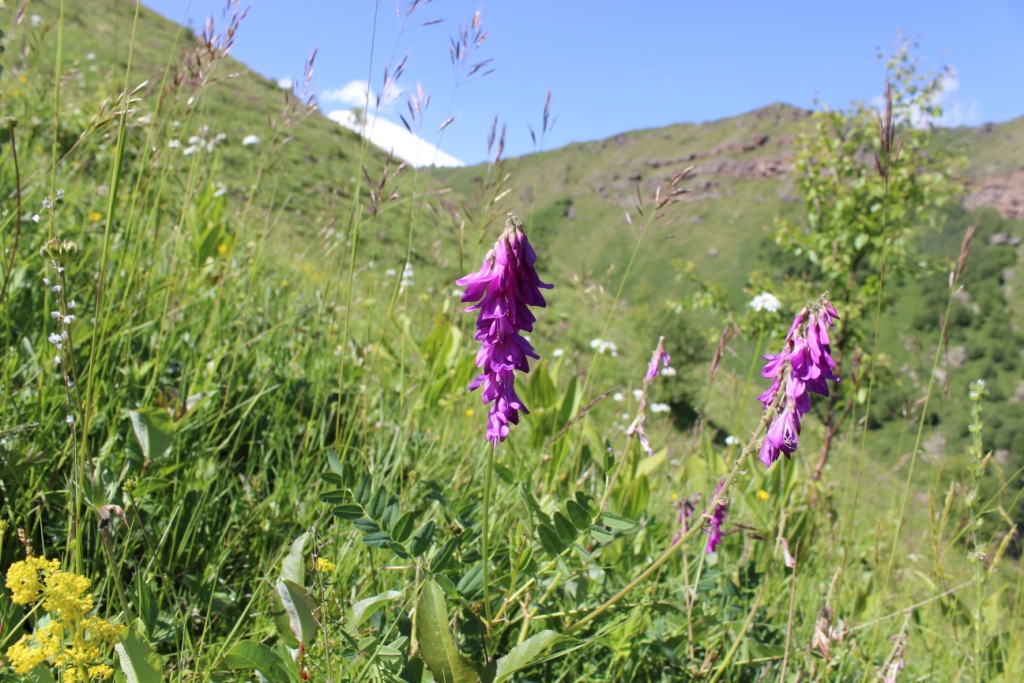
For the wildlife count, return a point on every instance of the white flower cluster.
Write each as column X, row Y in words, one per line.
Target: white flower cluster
column 198, row 142
column 660, row 408
column 603, row 346
column 766, row 302
column 407, row 278
column 250, row 140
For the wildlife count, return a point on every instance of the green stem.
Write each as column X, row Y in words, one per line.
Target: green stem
column 485, row 529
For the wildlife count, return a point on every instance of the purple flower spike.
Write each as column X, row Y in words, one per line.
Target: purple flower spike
column 504, row 288
column 659, row 355
column 717, row 519
column 803, row 368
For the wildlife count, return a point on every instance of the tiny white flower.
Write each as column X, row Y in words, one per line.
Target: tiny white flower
column 56, row 359
column 46, row 281
column 618, row 396
column 766, row 302
column 54, row 314
column 390, row 272
column 669, row 372
column 70, row 419
column 35, row 218
column 60, row 195
column 90, row 56
column 55, row 288
column 72, row 304
column 35, row 20
column 455, row 292
column 558, row 353
column 250, row 140
column 660, row 408
column 195, row 140
column 189, row 150
column 68, row 319
column 732, row 441
column 638, row 394
column 625, row 416
column 55, row 339
column 174, row 143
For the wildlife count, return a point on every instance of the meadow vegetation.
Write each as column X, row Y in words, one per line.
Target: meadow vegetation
column 236, row 439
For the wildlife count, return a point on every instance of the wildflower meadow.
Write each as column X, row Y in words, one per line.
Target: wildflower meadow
column 264, row 417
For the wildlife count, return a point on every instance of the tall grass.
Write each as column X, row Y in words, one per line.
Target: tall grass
column 259, row 448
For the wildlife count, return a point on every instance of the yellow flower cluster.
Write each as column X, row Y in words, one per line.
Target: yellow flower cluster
column 25, row 578
column 67, row 595
column 70, row 640
column 324, row 566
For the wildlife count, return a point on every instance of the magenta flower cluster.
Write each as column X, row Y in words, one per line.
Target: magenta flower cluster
column 718, row 516
column 504, row 288
column 804, row 365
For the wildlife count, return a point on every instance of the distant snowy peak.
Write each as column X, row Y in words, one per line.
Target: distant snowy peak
column 394, row 138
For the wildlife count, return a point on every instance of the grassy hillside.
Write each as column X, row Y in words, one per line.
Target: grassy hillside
column 237, row 437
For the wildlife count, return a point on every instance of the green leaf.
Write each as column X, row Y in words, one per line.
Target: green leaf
column 334, row 462
column 566, row 530
column 507, row 475
column 578, row 515
column 364, row 609
column 614, row 521
column 531, row 503
column 139, row 662
column 292, row 566
column 362, row 492
column 377, row 504
column 41, row 673
column 472, row 581
column 600, row 534
column 301, row 609
column 435, row 640
column 549, row 540
column 249, row 654
column 366, row 525
column 349, row 511
column 583, row 500
column 335, row 497
column 402, row 529
column 398, row 549
column 443, row 554
column 153, row 429
column 421, row 541
column 378, row 539
column 524, row 654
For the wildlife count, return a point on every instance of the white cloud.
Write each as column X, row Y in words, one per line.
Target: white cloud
column 392, row 137
column 954, row 112
column 354, row 94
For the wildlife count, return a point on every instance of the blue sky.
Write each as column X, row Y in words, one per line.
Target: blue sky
column 617, row 66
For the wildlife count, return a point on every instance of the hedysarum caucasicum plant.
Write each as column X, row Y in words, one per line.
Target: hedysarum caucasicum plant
column 504, row 288
column 804, row 365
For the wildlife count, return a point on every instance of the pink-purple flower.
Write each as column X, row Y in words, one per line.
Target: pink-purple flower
column 804, row 365
column 504, row 288
column 659, row 355
column 718, row 516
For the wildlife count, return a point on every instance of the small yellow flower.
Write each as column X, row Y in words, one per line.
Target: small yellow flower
column 324, row 566
column 24, row 656
column 22, row 79
column 25, row 578
column 95, row 217
column 67, row 595
column 222, row 248
column 101, row 630
column 469, row 412
column 100, row 672
column 762, row 495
